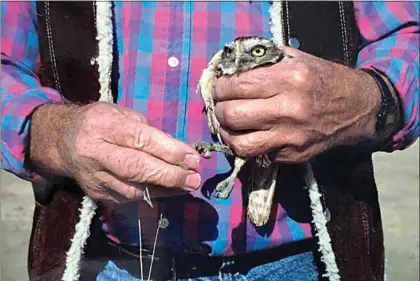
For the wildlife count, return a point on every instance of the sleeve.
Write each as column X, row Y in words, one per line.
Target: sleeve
column 390, row 45
column 21, row 90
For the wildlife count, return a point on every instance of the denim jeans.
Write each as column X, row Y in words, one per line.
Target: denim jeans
column 299, row 267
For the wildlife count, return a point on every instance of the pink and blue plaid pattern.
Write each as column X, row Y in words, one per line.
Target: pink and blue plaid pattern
column 148, row 34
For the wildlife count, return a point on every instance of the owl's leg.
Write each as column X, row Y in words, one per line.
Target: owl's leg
column 224, row 188
column 205, row 148
column 261, row 199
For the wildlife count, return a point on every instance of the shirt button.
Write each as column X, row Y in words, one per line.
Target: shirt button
column 163, row 223
column 294, row 42
column 327, row 214
column 173, row 62
column 92, row 60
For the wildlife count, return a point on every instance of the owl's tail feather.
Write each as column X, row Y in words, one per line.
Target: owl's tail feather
column 261, row 197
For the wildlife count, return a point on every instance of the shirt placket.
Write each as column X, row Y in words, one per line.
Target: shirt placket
column 177, row 73
column 176, row 94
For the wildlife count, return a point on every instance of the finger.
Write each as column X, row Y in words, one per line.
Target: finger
column 105, row 187
column 252, row 143
column 139, row 136
column 120, row 191
column 253, row 114
column 107, row 197
column 140, row 167
column 263, row 114
column 248, row 143
column 248, row 85
column 260, row 83
column 129, row 191
column 103, row 194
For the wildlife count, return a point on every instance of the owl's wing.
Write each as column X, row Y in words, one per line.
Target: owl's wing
column 205, row 87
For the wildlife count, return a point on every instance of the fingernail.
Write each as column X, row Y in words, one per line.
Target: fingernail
column 192, row 161
column 193, row 181
column 187, row 189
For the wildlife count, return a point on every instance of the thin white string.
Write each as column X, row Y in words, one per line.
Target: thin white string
column 153, row 250
column 141, row 249
column 155, row 244
column 147, row 197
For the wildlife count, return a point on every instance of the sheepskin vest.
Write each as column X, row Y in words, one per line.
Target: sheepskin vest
column 326, row 29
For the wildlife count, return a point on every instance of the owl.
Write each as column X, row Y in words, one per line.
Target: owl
column 238, row 56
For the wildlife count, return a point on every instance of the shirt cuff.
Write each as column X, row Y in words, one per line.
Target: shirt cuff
column 16, row 120
column 407, row 133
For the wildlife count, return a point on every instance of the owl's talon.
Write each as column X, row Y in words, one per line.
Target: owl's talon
column 206, row 148
column 224, row 188
column 203, row 148
column 206, row 153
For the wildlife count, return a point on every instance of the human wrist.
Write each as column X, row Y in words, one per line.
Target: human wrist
column 362, row 102
column 49, row 125
column 388, row 117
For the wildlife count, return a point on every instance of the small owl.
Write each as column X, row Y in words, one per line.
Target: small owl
column 238, row 56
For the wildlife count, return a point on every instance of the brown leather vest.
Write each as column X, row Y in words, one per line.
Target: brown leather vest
column 326, row 29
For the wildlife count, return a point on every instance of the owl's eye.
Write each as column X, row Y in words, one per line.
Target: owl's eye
column 258, row 51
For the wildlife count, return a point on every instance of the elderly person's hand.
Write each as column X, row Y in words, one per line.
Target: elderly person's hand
column 297, row 108
column 112, row 152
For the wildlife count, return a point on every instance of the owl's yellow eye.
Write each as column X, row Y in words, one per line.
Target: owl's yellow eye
column 258, row 51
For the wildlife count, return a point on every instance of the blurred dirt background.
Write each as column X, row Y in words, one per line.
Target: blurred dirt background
column 397, row 176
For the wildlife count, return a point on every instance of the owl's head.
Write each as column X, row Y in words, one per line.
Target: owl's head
column 246, row 53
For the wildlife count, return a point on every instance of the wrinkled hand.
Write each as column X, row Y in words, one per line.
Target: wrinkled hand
column 114, row 154
column 296, row 109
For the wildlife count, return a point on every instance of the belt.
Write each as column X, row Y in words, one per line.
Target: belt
column 173, row 265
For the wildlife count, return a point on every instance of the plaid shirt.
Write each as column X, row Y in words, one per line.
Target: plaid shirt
column 163, row 47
